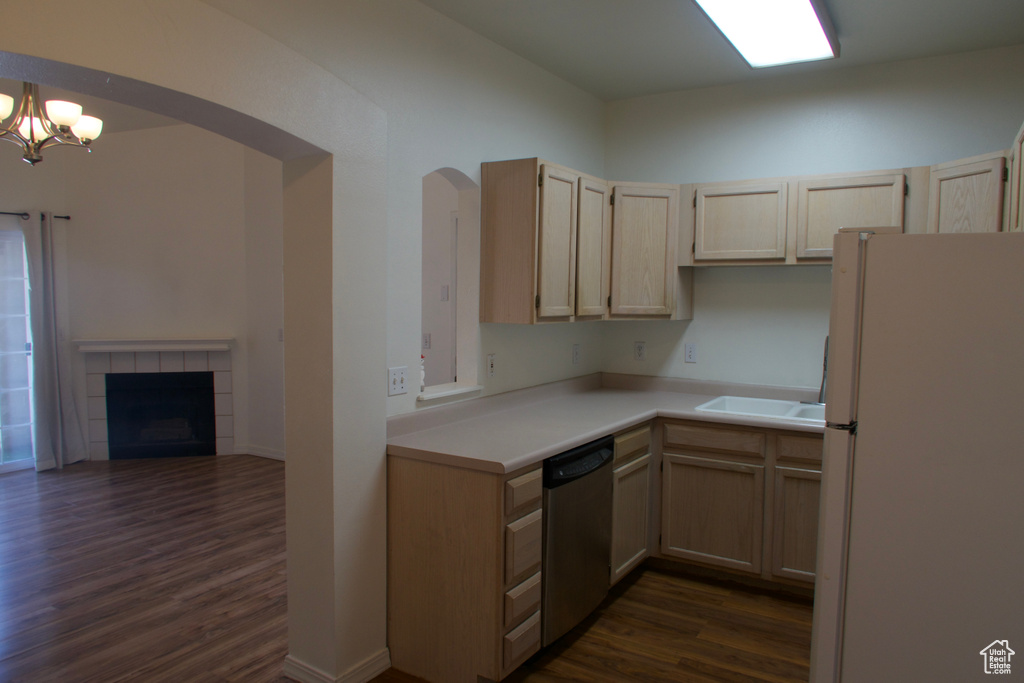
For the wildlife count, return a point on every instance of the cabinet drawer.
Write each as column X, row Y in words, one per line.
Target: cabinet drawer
column 522, row 641
column 714, row 439
column 632, row 444
column 522, row 600
column 523, row 546
column 524, row 492
column 801, row 448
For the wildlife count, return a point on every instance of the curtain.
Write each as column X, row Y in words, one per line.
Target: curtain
column 59, row 439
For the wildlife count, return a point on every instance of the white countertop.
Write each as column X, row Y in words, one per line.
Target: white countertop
column 510, row 437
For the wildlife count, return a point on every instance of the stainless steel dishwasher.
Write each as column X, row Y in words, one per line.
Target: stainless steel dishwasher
column 577, row 535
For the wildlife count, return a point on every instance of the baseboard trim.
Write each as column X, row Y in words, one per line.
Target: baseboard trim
column 305, row 673
column 363, row 672
column 262, row 452
column 369, row 668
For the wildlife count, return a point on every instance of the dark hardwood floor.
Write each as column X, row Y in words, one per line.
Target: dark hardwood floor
column 658, row 625
column 144, row 570
column 174, row 570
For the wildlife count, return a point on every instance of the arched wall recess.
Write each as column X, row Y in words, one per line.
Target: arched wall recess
column 450, row 338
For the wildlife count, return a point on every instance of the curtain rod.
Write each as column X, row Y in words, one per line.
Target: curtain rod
column 24, row 216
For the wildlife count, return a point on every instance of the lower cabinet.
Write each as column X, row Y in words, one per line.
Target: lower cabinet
column 631, row 501
column 464, row 570
column 713, row 511
column 741, row 498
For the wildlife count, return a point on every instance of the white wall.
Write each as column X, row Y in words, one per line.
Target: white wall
column 453, row 99
column 175, row 232
column 767, row 325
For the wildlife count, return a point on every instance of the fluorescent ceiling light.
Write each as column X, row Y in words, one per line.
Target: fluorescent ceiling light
column 773, row 32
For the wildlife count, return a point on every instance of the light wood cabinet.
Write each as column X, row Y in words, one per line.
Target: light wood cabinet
column 797, row 489
column 1016, row 215
column 795, row 525
column 857, row 201
column 967, row 195
column 464, row 570
column 631, row 501
column 714, row 511
column 593, row 247
column 741, row 221
column 645, row 226
column 745, row 499
column 554, row 248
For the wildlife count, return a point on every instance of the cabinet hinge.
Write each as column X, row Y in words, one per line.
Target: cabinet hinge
column 540, row 180
column 693, row 247
column 536, row 301
column 695, row 200
column 609, row 301
column 611, row 199
column 906, row 189
column 1006, row 175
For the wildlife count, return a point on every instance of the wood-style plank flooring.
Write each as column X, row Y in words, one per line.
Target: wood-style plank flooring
column 174, row 570
column 657, row 625
column 144, row 570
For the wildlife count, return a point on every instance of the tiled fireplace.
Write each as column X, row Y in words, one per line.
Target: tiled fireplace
column 103, row 357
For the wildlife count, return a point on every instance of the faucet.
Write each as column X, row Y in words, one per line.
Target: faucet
column 824, row 374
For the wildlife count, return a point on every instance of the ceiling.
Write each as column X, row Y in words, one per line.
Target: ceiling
column 616, row 49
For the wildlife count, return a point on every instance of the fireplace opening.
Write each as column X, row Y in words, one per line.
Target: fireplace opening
column 160, row 415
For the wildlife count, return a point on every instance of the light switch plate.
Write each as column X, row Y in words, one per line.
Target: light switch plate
column 397, row 380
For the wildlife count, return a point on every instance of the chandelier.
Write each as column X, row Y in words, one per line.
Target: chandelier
column 62, row 124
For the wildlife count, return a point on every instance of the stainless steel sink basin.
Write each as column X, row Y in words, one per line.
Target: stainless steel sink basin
column 767, row 408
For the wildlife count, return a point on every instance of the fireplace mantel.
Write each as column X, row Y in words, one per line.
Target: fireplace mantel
column 144, row 345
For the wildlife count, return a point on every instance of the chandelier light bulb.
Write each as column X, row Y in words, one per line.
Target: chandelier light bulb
column 88, row 128
column 6, row 106
column 63, row 113
column 32, row 129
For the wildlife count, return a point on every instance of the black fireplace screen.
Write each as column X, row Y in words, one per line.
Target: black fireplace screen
column 160, row 415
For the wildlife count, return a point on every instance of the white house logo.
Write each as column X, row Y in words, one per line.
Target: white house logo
column 997, row 657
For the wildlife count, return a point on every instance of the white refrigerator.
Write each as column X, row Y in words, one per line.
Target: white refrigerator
column 920, row 571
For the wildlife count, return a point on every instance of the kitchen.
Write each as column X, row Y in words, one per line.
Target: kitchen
column 491, row 105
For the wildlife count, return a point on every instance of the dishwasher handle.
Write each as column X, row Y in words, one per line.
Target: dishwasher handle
column 580, row 461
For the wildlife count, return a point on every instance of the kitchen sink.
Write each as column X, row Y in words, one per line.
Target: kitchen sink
column 766, row 407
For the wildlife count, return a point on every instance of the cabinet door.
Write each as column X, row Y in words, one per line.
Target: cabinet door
column 795, row 529
column 1016, row 222
column 593, row 247
column 630, row 515
column 645, row 225
column 712, row 511
column 741, row 221
column 556, row 248
column 967, row 195
column 828, row 204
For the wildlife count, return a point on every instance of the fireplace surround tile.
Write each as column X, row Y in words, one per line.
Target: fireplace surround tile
column 172, row 361
column 122, row 362
column 115, row 359
column 147, row 361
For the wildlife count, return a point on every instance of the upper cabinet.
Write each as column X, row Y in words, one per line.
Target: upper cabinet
column 741, row 221
column 1016, row 214
column 645, row 227
column 556, row 246
column 556, row 241
column 967, row 195
column 856, row 201
column 593, row 247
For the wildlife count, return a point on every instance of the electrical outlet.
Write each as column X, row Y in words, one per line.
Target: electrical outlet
column 690, row 352
column 640, row 350
column 575, row 354
column 426, row 341
column 490, row 365
column 397, row 380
